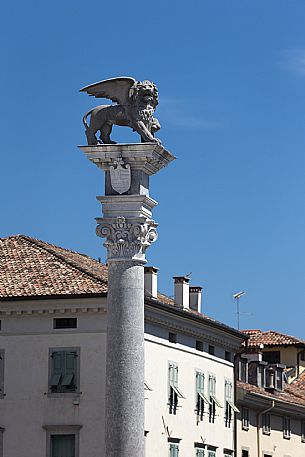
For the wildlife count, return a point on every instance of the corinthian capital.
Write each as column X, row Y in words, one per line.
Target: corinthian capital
column 126, row 240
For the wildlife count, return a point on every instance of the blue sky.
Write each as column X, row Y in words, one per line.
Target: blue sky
column 231, row 79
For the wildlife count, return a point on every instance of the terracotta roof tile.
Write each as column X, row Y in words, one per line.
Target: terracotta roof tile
column 31, row 267
column 271, row 338
column 299, row 382
column 34, row 268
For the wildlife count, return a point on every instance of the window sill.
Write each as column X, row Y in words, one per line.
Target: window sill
column 286, row 437
column 245, row 428
column 63, row 394
column 266, row 432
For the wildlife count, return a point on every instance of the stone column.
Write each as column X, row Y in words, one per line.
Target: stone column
column 128, row 229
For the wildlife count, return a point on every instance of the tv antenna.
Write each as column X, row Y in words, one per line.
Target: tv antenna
column 236, row 298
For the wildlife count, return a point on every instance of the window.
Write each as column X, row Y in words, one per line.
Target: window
column 211, row 453
column 244, row 453
column 245, row 418
column 174, row 391
column 199, row 345
column 201, row 399
column 63, row 446
column 64, row 370
column 286, row 428
column 230, row 407
column 173, row 450
column 272, row 357
column 172, row 337
column 65, row 322
column 303, row 431
column 266, row 424
column 199, row 452
column 212, row 397
column 211, row 349
column 243, row 369
column 1, row 373
column 228, row 356
column 62, row 440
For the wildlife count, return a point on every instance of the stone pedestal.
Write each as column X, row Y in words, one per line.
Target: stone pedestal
column 128, row 229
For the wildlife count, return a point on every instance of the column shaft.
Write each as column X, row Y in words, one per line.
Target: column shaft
column 125, row 360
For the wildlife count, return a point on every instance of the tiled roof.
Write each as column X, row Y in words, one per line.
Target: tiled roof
column 299, row 382
column 289, row 395
column 271, row 338
column 34, row 268
column 30, row 267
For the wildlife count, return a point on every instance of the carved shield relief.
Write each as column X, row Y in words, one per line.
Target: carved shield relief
column 120, row 177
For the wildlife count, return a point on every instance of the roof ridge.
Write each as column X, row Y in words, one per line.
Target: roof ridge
column 41, row 245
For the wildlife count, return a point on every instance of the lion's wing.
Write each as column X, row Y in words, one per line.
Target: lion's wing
column 116, row 89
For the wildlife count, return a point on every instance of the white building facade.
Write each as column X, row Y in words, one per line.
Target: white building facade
column 53, row 352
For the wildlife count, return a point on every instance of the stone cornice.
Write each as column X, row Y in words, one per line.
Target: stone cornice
column 58, row 311
column 189, row 328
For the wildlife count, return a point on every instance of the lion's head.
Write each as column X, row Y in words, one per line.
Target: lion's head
column 144, row 93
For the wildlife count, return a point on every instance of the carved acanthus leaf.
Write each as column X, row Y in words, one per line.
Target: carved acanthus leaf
column 127, row 240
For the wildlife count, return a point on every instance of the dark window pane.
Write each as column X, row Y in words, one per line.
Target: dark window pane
column 62, row 446
column 199, row 345
column 211, row 349
column 172, row 337
column 272, row 357
column 65, row 322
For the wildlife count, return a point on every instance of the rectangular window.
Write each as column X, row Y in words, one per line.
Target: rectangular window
column 199, row 452
column 174, row 391
column 64, row 370
column 303, row 431
column 266, row 424
column 245, row 418
column 243, row 370
column 286, row 428
column 228, row 356
column 201, row 398
column 211, row 454
column 212, row 398
column 65, row 322
column 211, row 349
column 172, row 337
column 62, row 445
column 173, row 450
column 199, row 345
column 1, row 373
column 230, row 407
column 272, row 357
column 244, row 453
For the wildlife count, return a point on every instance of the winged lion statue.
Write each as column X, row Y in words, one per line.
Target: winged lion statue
column 135, row 105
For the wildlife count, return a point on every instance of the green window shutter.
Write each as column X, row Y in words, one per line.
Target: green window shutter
column 173, row 375
column 174, row 450
column 69, row 372
column 58, row 368
column 199, row 382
